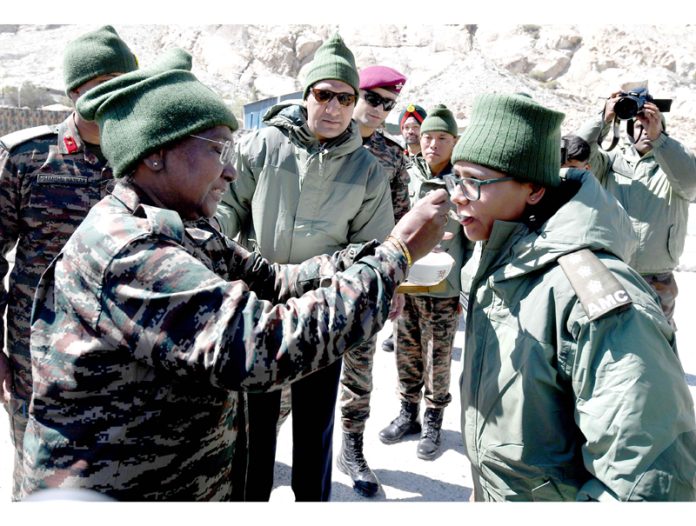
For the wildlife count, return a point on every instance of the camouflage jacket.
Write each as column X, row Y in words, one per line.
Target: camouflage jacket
column 143, row 330
column 391, row 157
column 48, row 182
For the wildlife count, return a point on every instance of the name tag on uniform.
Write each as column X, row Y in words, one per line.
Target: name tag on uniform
column 72, row 180
column 597, row 288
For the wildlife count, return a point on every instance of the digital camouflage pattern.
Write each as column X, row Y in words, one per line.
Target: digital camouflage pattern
column 356, row 386
column 391, row 156
column 424, row 339
column 49, row 181
column 426, row 328
column 148, row 327
column 356, row 377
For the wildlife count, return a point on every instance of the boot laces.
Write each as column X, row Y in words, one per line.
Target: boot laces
column 355, row 453
column 430, row 431
column 432, row 426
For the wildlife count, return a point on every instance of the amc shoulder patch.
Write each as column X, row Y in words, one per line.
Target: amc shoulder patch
column 597, row 288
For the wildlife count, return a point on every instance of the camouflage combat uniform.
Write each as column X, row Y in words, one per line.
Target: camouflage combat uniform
column 50, row 180
column 356, row 375
column 148, row 327
column 426, row 329
column 391, row 156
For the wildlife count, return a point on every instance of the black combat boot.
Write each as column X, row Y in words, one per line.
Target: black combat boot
column 429, row 442
column 351, row 461
column 405, row 424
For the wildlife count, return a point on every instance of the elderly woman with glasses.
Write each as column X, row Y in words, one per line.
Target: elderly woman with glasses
column 150, row 320
column 571, row 386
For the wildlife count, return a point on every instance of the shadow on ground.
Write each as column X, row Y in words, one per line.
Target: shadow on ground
column 412, row 487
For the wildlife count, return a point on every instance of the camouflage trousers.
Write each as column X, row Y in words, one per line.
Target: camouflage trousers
column 666, row 288
column 356, row 386
column 425, row 334
column 18, row 424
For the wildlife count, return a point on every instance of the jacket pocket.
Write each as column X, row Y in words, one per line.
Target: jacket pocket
column 675, row 243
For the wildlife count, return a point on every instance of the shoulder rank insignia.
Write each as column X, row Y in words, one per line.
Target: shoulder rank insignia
column 70, row 144
column 597, row 288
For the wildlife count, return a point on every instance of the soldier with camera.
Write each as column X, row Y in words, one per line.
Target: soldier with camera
column 653, row 176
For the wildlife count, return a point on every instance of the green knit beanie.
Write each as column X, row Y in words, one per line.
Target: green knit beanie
column 93, row 54
column 143, row 111
column 332, row 61
column 515, row 135
column 440, row 118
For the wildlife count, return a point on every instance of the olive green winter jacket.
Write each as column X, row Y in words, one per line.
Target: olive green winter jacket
column 295, row 198
column 558, row 407
column 654, row 189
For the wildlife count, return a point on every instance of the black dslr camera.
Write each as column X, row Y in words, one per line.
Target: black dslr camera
column 631, row 104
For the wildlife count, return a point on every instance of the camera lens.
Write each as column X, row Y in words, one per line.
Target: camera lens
column 626, row 107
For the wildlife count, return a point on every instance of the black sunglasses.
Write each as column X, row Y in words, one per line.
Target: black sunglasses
column 324, row 96
column 375, row 99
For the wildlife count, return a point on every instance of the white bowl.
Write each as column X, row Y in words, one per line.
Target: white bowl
column 430, row 269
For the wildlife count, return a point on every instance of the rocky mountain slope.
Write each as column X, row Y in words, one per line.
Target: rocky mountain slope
column 567, row 67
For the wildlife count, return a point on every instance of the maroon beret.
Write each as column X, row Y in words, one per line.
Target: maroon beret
column 381, row 77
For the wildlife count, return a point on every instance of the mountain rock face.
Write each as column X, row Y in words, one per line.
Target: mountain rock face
column 571, row 68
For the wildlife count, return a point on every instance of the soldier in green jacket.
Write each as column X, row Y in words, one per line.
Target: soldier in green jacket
column 426, row 328
column 571, row 386
column 653, row 176
column 150, row 320
column 306, row 186
column 50, row 177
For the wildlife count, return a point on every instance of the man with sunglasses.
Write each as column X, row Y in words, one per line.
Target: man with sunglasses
column 379, row 88
column 305, row 187
column 426, row 328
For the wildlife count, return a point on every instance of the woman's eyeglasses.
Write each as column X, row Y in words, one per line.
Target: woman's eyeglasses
column 227, row 152
column 375, row 99
column 324, row 96
column 471, row 188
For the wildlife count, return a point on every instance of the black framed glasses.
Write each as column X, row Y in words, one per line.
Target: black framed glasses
column 227, row 152
column 375, row 99
column 471, row 188
column 324, row 96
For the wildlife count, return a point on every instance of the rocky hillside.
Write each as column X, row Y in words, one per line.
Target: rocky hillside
column 567, row 67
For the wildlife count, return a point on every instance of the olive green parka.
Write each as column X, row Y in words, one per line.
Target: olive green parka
column 655, row 189
column 558, row 407
column 295, row 198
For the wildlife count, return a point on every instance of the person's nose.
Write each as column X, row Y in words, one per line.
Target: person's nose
column 457, row 197
column 229, row 174
column 333, row 106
